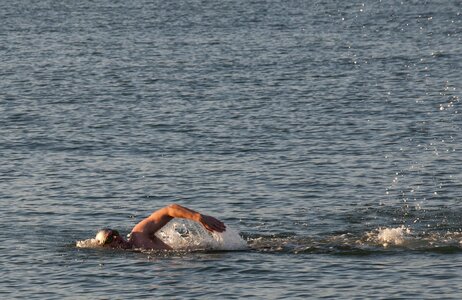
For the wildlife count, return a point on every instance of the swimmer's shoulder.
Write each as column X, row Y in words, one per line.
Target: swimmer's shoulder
column 140, row 240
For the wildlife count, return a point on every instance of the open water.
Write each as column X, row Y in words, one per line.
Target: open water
column 326, row 134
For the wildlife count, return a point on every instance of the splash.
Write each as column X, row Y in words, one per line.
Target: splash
column 188, row 235
column 393, row 236
column 88, row 243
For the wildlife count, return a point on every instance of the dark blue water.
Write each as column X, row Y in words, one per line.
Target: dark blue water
column 328, row 133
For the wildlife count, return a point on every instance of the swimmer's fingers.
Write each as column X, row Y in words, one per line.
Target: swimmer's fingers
column 212, row 224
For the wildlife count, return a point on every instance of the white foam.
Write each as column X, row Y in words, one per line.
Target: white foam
column 88, row 243
column 393, row 236
column 188, row 235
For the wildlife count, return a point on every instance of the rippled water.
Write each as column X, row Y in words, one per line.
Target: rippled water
column 327, row 133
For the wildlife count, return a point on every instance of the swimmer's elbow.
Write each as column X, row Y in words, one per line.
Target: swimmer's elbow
column 173, row 206
column 172, row 209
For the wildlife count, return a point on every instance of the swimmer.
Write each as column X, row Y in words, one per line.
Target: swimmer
column 143, row 235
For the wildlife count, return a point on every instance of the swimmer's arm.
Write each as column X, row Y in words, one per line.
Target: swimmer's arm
column 161, row 217
column 210, row 223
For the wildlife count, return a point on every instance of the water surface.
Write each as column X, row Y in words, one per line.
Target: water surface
column 326, row 133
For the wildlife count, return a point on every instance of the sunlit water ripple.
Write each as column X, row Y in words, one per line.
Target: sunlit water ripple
column 326, row 134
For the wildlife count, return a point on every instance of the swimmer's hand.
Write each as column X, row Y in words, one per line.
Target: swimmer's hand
column 211, row 224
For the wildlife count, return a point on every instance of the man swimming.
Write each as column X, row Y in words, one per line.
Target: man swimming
column 143, row 235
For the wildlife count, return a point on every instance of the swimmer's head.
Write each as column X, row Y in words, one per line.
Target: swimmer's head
column 107, row 237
